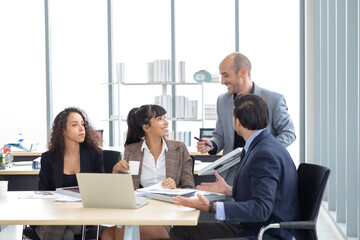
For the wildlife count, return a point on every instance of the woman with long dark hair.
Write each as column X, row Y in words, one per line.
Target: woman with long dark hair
column 72, row 148
column 161, row 160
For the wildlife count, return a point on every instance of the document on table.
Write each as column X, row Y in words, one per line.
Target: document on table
column 158, row 192
column 44, row 195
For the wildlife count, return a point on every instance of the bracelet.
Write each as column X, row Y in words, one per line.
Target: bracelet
column 211, row 207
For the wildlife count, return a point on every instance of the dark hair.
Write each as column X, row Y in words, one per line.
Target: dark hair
column 137, row 117
column 241, row 61
column 56, row 143
column 252, row 111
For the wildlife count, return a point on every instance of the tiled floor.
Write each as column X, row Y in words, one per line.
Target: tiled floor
column 326, row 230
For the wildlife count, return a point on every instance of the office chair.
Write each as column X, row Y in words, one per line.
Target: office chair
column 29, row 232
column 110, row 158
column 312, row 181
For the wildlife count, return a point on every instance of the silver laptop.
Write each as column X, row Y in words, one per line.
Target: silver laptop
column 102, row 190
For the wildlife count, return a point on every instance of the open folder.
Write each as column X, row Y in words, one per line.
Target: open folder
column 223, row 163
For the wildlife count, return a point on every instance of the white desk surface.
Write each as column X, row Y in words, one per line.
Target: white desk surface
column 16, row 211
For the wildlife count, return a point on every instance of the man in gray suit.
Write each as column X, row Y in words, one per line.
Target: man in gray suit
column 235, row 72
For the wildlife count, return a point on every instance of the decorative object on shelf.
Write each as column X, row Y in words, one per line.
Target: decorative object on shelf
column 202, row 76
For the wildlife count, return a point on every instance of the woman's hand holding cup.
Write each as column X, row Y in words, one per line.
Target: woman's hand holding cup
column 121, row 167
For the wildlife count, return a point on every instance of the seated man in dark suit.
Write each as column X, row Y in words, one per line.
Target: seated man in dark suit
column 264, row 188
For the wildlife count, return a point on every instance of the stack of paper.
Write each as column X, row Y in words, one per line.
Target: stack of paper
column 164, row 194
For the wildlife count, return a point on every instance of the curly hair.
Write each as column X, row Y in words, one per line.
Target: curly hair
column 56, row 143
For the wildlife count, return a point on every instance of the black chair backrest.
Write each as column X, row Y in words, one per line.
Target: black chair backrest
column 110, row 159
column 311, row 186
column 193, row 163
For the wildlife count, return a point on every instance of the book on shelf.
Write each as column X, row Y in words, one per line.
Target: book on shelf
column 181, row 71
column 181, row 137
column 120, row 72
column 191, row 107
column 210, row 112
column 159, row 71
column 180, row 107
column 166, row 102
column 185, row 108
column 150, row 72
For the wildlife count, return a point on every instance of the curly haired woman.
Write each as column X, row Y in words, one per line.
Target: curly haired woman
column 73, row 148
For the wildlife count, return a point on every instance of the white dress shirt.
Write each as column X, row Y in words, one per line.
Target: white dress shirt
column 152, row 173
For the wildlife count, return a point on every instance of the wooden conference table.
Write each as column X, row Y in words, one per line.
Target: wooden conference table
column 20, row 211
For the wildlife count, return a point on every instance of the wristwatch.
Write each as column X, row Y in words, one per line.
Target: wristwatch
column 211, row 207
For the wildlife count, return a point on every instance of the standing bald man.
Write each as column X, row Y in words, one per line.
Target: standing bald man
column 235, row 72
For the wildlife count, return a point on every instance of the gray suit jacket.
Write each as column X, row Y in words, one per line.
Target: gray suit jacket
column 280, row 123
column 177, row 160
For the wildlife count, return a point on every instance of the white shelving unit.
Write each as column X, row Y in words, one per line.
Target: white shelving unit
column 164, row 92
column 121, row 83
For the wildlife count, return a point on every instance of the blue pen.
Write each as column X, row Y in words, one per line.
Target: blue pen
column 205, row 143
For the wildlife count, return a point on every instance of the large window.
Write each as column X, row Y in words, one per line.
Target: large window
column 79, row 58
column 203, row 34
column 269, row 37
column 141, row 34
column 22, row 74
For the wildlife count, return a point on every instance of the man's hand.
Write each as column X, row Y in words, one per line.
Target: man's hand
column 201, row 147
column 202, row 203
column 121, row 167
column 219, row 187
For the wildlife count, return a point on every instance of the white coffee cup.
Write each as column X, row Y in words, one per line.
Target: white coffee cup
column 134, row 167
column 3, row 188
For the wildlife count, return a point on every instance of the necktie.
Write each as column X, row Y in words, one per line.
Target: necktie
column 242, row 154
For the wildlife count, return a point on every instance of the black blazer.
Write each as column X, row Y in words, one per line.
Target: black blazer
column 52, row 167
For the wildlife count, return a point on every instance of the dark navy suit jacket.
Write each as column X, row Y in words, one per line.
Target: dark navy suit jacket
column 52, row 167
column 265, row 190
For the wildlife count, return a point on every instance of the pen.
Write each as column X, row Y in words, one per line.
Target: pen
column 205, row 143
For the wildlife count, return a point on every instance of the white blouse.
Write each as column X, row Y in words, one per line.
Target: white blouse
column 151, row 173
